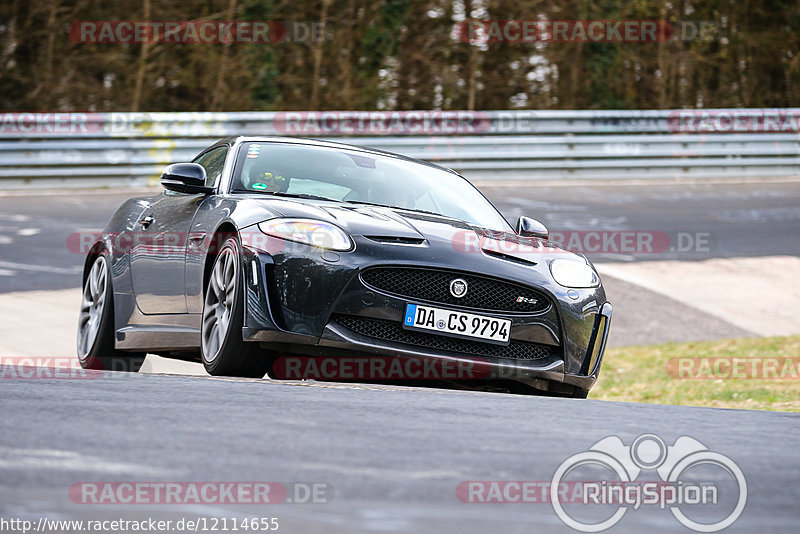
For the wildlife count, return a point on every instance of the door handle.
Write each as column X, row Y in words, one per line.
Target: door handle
column 146, row 221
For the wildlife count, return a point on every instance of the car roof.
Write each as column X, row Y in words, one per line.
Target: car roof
column 327, row 144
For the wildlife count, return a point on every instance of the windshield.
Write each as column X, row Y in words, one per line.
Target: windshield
column 352, row 176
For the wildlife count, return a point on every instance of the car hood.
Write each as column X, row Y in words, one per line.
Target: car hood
column 387, row 224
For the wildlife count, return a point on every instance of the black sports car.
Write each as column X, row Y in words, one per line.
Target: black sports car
column 266, row 254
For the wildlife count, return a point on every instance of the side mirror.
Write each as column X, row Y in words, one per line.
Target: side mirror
column 527, row 227
column 185, row 178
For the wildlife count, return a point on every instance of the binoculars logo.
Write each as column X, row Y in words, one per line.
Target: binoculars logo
column 678, row 467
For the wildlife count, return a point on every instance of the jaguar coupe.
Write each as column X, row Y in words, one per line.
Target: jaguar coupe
column 268, row 250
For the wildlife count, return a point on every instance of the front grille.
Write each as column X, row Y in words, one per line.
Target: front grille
column 429, row 285
column 391, row 331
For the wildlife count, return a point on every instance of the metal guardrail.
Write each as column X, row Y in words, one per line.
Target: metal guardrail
column 74, row 149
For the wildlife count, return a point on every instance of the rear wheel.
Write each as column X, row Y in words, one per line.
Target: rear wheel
column 223, row 351
column 96, row 324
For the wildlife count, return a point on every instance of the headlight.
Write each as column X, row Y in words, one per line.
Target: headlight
column 308, row 231
column 571, row 273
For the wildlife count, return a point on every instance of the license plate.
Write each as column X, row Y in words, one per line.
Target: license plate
column 458, row 324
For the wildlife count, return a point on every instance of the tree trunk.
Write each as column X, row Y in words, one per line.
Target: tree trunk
column 141, row 70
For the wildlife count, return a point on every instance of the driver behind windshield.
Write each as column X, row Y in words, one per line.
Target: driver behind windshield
column 350, row 176
column 257, row 175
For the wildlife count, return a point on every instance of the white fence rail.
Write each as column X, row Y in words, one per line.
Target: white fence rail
column 116, row 149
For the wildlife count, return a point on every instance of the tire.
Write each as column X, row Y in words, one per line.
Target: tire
column 222, row 350
column 96, row 324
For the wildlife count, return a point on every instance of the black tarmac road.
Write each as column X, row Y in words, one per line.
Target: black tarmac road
column 39, row 237
column 390, row 457
column 38, row 231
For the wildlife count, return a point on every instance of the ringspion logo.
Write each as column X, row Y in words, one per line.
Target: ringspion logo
column 593, row 490
column 693, row 482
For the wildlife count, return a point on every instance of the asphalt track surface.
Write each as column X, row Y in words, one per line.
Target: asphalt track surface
column 393, row 456
column 736, row 220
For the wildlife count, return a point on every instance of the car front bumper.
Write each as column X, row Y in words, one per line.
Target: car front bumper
column 302, row 301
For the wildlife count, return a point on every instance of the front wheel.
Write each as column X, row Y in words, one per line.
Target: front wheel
column 223, row 351
column 96, row 324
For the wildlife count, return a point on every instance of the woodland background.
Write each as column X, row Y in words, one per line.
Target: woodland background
column 399, row 55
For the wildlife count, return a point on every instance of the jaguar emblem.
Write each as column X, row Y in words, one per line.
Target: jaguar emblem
column 458, row 287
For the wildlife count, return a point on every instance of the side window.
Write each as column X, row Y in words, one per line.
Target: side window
column 213, row 161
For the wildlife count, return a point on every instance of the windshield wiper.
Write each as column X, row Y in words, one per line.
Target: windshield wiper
column 289, row 195
column 400, row 208
column 301, row 195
